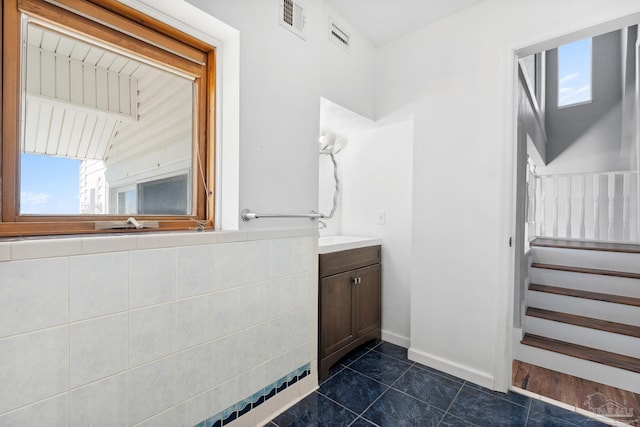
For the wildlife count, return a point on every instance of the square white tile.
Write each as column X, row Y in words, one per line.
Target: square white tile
column 34, row 295
column 99, row 285
column 281, row 257
column 194, row 270
column 227, row 315
column 103, row 403
column 257, row 259
column 98, row 348
column 304, row 253
column 193, row 321
column 151, row 333
column 50, row 412
column 229, row 357
column 163, row 419
column 194, row 372
column 35, row 366
column 151, row 277
column 195, row 410
column 228, row 265
column 151, row 389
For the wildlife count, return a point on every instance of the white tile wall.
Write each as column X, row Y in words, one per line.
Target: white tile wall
column 163, row 419
column 158, row 329
column 194, row 371
column 151, row 389
column 193, row 321
column 33, row 295
column 151, row 277
column 194, row 410
column 49, row 412
column 98, row 348
column 99, row 284
column 34, row 366
column 103, row 403
column 151, row 333
column 194, row 270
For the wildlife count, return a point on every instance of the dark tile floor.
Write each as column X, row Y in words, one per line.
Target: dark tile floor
column 376, row 385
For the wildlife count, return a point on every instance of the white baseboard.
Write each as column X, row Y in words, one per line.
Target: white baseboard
column 396, row 339
column 450, row 367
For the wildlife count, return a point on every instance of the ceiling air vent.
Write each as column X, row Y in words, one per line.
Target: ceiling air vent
column 292, row 17
column 338, row 36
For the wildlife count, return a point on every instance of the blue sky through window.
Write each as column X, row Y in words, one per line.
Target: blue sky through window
column 49, row 185
column 574, row 73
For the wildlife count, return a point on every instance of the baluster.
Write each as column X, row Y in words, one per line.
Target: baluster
column 626, row 196
column 556, row 186
column 568, row 226
column 582, row 206
column 596, row 207
column 543, row 206
column 612, row 203
column 531, row 203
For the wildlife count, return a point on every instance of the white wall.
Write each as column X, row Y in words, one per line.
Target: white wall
column 457, row 77
column 377, row 171
column 282, row 78
column 375, row 176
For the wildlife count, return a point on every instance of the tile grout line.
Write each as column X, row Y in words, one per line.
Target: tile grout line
column 339, row 404
column 446, row 411
column 383, row 393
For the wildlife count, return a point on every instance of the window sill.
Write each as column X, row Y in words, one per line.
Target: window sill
column 22, row 248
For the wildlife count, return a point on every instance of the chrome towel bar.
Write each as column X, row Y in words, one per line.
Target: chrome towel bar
column 247, row 215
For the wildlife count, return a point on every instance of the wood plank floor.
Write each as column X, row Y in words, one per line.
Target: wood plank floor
column 576, row 391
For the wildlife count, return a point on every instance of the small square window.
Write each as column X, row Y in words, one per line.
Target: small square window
column 574, row 73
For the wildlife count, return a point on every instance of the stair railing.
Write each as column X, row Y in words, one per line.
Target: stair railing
column 594, row 206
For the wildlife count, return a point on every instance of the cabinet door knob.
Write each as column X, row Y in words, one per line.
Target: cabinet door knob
column 354, row 280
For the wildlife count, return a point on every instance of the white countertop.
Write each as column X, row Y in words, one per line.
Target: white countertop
column 328, row 244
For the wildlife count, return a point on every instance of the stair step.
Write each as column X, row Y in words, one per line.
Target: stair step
column 586, row 270
column 585, row 322
column 622, row 286
column 588, row 246
column 616, row 299
column 582, row 352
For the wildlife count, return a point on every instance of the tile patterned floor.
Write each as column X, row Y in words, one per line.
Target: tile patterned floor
column 376, row 385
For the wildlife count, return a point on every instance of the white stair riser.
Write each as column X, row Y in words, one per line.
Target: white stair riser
column 615, row 261
column 619, row 313
column 607, row 341
column 622, row 286
column 578, row 367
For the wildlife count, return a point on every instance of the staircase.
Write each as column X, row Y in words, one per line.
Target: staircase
column 583, row 311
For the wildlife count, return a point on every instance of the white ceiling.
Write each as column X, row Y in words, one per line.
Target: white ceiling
column 383, row 21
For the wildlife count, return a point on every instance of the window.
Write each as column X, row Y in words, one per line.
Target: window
column 106, row 114
column 574, row 73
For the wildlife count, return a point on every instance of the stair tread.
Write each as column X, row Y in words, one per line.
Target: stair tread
column 589, row 246
column 616, row 299
column 583, row 352
column 586, row 270
column 585, row 322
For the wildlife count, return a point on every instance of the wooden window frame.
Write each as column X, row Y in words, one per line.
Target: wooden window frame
column 112, row 23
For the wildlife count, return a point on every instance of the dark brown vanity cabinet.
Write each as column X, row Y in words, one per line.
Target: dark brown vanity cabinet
column 349, row 303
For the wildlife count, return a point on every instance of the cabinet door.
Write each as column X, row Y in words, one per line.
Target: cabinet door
column 336, row 314
column 367, row 297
